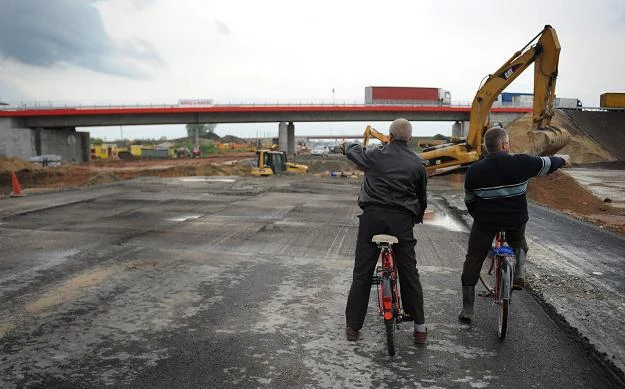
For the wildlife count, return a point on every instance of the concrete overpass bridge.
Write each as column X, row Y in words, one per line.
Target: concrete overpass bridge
column 27, row 131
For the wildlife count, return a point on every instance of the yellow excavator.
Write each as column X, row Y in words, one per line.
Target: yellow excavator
column 545, row 138
column 272, row 162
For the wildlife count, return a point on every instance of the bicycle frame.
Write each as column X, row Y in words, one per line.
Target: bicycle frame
column 501, row 288
column 499, row 263
column 388, row 289
column 389, row 303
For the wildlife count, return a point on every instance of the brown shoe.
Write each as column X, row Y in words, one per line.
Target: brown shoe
column 351, row 334
column 518, row 284
column 421, row 337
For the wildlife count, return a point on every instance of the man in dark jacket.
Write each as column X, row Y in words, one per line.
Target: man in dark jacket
column 393, row 198
column 495, row 189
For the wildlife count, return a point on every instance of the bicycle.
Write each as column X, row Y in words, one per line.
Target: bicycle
column 389, row 302
column 496, row 275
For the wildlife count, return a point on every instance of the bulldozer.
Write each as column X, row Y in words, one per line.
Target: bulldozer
column 545, row 138
column 271, row 162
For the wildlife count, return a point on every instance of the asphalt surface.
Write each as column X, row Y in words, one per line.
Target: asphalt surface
column 241, row 282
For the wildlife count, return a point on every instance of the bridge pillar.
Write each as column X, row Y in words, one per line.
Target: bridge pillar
column 19, row 142
column 460, row 129
column 456, row 129
column 282, row 137
column 290, row 147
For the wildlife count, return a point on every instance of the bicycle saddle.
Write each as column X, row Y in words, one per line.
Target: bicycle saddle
column 384, row 239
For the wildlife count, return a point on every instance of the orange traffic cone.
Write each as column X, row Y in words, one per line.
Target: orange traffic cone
column 17, row 189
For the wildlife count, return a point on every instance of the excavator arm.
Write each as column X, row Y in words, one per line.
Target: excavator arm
column 544, row 55
column 546, row 139
column 371, row 132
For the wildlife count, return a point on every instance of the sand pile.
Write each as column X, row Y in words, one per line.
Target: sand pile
column 581, row 148
column 8, row 165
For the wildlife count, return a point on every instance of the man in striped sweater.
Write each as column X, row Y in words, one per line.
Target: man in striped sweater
column 495, row 195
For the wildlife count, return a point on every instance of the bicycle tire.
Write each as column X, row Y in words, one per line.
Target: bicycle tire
column 487, row 275
column 502, row 329
column 389, row 324
column 505, row 287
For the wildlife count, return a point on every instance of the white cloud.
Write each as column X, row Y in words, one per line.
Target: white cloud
column 299, row 51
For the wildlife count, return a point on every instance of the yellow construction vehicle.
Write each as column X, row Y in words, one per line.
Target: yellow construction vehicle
column 271, row 162
column 545, row 138
column 371, row 132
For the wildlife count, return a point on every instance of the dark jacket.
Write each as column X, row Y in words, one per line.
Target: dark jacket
column 395, row 178
column 495, row 187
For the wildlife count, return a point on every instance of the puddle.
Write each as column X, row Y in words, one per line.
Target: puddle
column 208, row 179
column 183, row 218
column 441, row 219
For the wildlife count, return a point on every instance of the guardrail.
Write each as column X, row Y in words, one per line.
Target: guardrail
column 34, row 105
column 47, row 105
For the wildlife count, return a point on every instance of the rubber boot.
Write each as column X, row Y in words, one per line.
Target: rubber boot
column 519, row 270
column 468, row 298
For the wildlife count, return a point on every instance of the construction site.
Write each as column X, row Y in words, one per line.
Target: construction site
column 597, row 143
column 194, row 272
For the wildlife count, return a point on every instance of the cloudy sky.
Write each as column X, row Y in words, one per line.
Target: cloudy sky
column 158, row 51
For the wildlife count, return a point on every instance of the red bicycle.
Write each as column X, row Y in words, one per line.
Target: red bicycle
column 389, row 301
column 497, row 274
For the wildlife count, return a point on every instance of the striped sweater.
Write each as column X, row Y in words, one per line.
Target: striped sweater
column 495, row 187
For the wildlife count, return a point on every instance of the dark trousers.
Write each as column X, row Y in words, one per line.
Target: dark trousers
column 373, row 222
column 480, row 241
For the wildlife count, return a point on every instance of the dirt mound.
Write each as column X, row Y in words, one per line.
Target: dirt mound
column 8, row 165
column 560, row 191
column 209, row 136
column 33, row 178
column 232, row 139
column 581, row 148
column 102, row 178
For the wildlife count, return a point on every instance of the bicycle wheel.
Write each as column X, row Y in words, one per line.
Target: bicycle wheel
column 389, row 323
column 503, row 318
column 488, row 276
column 505, row 286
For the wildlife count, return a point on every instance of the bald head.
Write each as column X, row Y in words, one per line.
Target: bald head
column 401, row 129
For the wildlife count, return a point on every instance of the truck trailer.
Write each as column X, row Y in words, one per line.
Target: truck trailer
column 612, row 100
column 527, row 100
column 406, row 95
column 568, row 103
column 515, row 99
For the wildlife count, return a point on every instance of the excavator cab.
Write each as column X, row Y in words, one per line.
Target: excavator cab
column 270, row 162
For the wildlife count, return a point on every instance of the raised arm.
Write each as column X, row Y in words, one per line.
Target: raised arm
column 357, row 154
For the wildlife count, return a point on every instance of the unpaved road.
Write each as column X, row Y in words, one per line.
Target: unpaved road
column 241, row 282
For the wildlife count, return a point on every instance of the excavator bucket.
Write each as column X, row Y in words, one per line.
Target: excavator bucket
column 548, row 140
